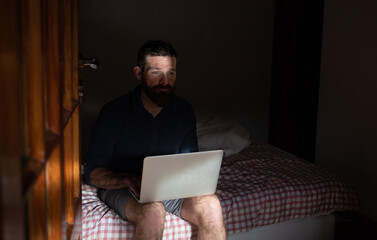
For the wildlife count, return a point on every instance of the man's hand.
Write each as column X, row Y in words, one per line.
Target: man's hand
column 134, row 184
column 106, row 179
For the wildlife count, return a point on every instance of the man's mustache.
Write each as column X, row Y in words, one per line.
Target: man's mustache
column 163, row 87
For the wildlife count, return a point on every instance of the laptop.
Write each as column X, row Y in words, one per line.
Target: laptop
column 183, row 175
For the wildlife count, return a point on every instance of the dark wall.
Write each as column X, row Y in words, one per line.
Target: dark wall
column 224, row 48
column 347, row 113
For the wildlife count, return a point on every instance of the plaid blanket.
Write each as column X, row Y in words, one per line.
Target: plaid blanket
column 258, row 186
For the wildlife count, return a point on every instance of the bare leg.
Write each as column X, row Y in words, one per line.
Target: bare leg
column 148, row 219
column 206, row 213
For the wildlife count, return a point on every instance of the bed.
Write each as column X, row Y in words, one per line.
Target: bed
column 264, row 191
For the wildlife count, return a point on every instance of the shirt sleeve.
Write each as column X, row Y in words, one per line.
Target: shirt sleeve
column 103, row 139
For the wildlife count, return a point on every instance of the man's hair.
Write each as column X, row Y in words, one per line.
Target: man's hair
column 154, row 48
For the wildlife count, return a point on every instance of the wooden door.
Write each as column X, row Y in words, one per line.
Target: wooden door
column 39, row 105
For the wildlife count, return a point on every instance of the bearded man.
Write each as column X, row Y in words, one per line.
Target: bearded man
column 151, row 120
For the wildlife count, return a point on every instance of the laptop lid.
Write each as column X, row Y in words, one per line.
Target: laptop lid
column 182, row 175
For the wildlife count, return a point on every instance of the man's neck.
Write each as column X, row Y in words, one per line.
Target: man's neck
column 149, row 105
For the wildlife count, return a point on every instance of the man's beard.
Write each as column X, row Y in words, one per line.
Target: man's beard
column 161, row 99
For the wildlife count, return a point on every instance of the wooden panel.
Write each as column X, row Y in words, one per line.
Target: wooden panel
column 51, row 141
column 52, row 77
column 75, row 51
column 67, row 51
column 68, row 173
column 33, row 79
column 30, row 172
column 76, row 155
column 55, row 206
column 11, row 140
column 37, row 210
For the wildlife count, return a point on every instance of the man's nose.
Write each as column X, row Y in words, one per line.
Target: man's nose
column 164, row 80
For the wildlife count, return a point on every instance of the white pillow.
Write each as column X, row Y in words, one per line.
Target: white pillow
column 222, row 133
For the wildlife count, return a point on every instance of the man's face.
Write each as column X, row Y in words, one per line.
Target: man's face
column 158, row 79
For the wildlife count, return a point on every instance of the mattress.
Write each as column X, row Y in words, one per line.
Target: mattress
column 258, row 186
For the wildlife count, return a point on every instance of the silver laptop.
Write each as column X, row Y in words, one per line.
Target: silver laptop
column 182, row 175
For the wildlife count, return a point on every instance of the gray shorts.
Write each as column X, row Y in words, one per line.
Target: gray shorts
column 117, row 199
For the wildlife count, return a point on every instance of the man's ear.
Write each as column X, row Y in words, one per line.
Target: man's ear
column 137, row 72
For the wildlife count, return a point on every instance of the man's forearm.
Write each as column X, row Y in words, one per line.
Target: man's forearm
column 104, row 178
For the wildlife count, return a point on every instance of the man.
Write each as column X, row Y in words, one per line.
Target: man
column 148, row 121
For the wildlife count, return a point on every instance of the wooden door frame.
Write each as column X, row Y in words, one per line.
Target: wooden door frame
column 40, row 190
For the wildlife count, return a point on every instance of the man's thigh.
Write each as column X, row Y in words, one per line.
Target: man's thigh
column 116, row 199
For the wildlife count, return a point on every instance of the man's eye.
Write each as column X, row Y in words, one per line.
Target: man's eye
column 154, row 72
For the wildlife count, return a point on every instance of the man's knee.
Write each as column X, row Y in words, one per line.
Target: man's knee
column 206, row 203
column 148, row 213
column 212, row 206
column 203, row 209
column 152, row 212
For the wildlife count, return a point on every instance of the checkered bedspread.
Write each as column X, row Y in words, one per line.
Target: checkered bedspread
column 258, row 186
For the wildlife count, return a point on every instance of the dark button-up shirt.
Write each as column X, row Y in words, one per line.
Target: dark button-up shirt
column 125, row 133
